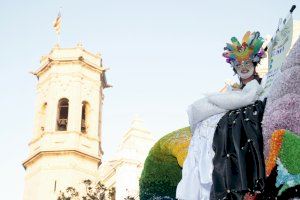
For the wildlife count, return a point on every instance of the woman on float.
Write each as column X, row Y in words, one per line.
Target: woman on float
column 225, row 159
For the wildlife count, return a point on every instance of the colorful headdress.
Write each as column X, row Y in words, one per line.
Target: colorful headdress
column 250, row 49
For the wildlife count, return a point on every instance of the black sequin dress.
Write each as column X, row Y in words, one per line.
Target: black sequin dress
column 238, row 162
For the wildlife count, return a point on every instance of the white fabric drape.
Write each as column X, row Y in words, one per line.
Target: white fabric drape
column 216, row 103
column 197, row 168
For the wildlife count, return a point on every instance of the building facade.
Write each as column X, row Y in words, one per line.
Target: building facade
column 124, row 169
column 66, row 145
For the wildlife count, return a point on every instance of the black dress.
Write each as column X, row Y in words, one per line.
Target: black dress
column 238, row 162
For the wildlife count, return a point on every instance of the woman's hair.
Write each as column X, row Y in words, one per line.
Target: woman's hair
column 255, row 76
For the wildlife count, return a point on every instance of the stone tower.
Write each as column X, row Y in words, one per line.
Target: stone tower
column 66, row 145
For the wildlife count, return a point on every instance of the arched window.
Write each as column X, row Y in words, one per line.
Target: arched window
column 43, row 117
column 84, row 116
column 62, row 114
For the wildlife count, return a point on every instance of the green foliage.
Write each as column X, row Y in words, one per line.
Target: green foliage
column 290, row 152
column 70, row 194
column 161, row 172
column 93, row 192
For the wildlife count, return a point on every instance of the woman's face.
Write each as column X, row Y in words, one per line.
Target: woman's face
column 245, row 70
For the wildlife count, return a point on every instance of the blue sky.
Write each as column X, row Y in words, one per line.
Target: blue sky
column 162, row 55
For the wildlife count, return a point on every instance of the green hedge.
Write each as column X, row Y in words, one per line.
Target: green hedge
column 161, row 172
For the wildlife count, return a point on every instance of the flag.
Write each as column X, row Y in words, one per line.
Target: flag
column 278, row 49
column 57, row 24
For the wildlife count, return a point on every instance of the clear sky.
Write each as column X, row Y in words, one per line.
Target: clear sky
column 162, row 55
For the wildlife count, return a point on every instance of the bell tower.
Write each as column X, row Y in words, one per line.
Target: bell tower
column 66, row 145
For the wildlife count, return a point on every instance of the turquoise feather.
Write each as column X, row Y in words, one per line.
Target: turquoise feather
column 235, row 41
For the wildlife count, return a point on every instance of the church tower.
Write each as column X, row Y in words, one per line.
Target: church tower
column 66, row 145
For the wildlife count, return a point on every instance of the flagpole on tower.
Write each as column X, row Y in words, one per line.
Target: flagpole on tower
column 57, row 26
column 58, row 38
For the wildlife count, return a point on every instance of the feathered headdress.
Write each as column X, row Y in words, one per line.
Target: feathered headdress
column 250, row 49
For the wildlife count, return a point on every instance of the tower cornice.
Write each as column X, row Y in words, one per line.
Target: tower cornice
column 74, row 60
column 38, row 155
column 89, row 137
column 66, row 55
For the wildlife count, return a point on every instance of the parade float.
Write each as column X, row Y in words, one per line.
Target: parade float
column 241, row 144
